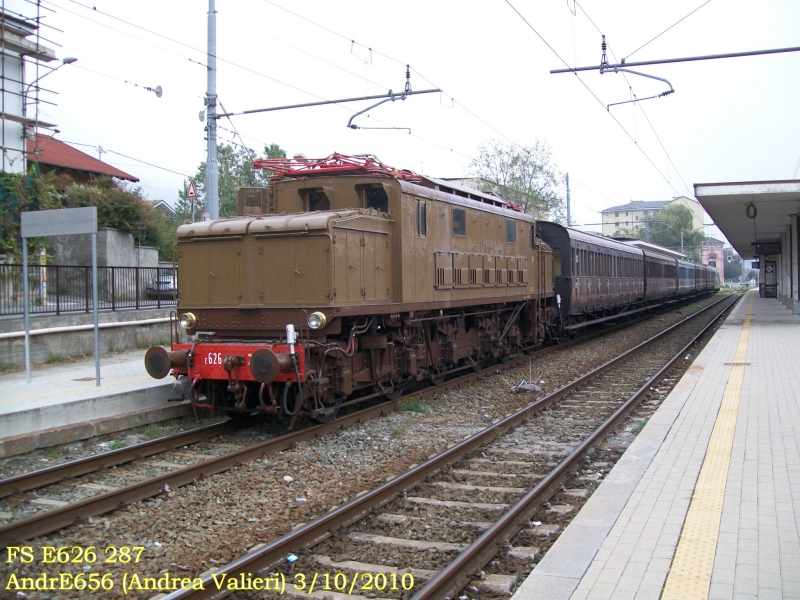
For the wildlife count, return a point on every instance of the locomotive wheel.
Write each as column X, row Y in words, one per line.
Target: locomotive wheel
column 397, row 390
column 238, row 415
column 437, row 379
column 331, row 412
column 477, row 365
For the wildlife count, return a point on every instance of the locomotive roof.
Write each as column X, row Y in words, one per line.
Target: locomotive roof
column 242, row 225
column 465, row 191
column 452, row 198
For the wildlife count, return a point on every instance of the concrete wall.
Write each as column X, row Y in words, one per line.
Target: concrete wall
column 115, row 248
column 80, row 343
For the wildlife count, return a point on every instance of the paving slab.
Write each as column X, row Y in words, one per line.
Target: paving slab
column 622, row 543
column 62, row 402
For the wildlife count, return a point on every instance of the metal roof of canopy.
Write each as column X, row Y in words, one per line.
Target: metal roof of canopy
column 776, row 202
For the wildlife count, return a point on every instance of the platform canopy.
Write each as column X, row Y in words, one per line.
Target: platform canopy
column 728, row 204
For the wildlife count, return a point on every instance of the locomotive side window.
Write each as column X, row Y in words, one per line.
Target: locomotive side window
column 376, row 197
column 459, row 221
column 511, row 232
column 531, row 237
column 317, row 200
column 420, row 219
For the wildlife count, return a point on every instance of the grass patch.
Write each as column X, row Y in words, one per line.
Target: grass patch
column 638, row 429
column 399, row 427
column 53, row 358
column 414, row 405
column 151, row 431
column 9, row 367
column 690, row 308
column 117, row 444
column 51, row 452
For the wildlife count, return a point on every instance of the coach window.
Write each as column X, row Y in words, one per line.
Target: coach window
column 459, row 221
column 511, row 232
column 317, row 200
column 421, row 219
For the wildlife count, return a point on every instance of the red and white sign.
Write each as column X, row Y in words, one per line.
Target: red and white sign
column 730, row 258
column 191, row 190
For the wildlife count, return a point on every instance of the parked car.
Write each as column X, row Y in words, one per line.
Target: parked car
column 164, row 287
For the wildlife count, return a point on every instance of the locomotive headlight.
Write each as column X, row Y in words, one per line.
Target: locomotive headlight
column 317, row 320
column 187, row 320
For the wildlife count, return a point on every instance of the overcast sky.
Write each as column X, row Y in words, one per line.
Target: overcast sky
column 728, row 120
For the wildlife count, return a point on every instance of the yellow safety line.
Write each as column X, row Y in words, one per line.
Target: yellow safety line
column 690, row 575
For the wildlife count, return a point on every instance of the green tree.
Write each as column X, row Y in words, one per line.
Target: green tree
column 122, row 207
column 525, row 175
column 733, row 269
column 235, row 170
column 665, row 230
column 23, row 192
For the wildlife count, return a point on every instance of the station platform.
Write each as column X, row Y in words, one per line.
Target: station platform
column 63, row 404
column 705, row 503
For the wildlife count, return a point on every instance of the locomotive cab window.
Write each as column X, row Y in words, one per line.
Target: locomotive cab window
column 459, row 221
column 375, row 197
column 531, row 237
column 420, row 218
column 511, row 232
column 317, row 200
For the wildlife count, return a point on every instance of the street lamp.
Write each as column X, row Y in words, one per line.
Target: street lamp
column 64, row 61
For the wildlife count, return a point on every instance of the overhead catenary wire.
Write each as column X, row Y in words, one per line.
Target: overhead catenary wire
column 94, row 9
column 639, row 104
column 667, row 29
column 111, row 77
column 125, row 156
column 396, row 60
column 306, row 52
column 621, row 126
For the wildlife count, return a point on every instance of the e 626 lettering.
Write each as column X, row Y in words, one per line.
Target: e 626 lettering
column 88, row 555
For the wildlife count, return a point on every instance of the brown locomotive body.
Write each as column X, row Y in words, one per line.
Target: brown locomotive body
column 386, row 281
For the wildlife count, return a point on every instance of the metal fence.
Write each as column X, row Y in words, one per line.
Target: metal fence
column 66, row 289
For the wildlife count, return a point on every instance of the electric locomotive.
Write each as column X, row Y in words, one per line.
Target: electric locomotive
column 345, row 280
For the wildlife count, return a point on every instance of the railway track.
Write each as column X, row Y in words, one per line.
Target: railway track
column 104, row 495
column 443, row 521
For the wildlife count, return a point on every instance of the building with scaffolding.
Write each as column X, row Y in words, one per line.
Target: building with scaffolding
column 21, row 50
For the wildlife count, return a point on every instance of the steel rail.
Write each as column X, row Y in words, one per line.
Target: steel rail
column 456, row 575
column 58, row 518
column 275, row 552
column 82, row 466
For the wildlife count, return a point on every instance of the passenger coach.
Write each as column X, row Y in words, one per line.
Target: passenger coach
column 597, row 278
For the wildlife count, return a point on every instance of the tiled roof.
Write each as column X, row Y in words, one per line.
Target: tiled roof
column 55, row 153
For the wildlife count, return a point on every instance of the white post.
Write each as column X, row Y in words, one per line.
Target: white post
column 25, row 309
column 94, row 302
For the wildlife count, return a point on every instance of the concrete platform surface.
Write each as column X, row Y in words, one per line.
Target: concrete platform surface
column 61, row 395
column 638, row 535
